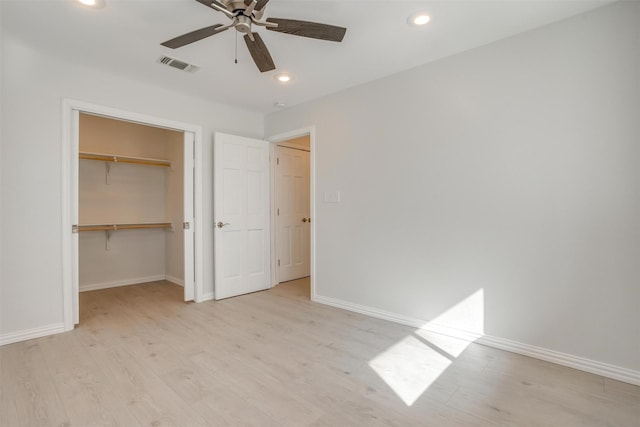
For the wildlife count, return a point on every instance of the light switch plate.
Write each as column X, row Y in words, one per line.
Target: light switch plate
column 332, row 197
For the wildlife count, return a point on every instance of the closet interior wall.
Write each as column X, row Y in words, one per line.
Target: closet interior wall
column 117, row 193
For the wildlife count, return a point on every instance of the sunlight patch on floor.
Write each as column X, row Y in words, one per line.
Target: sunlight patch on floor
column 412, row 365
column 409, row 367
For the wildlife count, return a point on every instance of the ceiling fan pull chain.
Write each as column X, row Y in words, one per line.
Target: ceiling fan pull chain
column 236, row 47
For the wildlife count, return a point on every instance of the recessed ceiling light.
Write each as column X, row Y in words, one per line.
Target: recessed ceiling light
column 95, row 4
column 283, row 77
column 280, row 104
column 418, row 19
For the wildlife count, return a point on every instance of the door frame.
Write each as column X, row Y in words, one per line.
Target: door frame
column 274, row 140
column 69, row 162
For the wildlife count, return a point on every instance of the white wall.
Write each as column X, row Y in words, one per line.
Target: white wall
column 33, row 86
column 511, row 168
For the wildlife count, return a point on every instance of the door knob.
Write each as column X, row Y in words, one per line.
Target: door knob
column 221, row 224
column 304, row 219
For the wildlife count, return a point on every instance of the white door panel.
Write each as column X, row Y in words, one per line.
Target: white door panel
column 241, row 208
column 188, row 215
column 292, row 213
column 75, row 212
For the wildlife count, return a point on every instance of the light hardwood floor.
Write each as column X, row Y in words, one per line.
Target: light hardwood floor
column 141, row 357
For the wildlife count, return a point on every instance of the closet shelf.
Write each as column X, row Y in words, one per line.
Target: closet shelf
column 124, row 159
column 116, row 227
column 110, row 228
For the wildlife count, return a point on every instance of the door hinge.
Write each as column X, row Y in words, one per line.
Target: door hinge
column 278, row 161
column 278, row 263
column 186, row 225
column 74, row 228
column 278, row 211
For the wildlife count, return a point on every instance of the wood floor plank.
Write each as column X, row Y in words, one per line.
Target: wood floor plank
column 227, row 408
column 515, row 402
column 258, row 387
column 29, row 396
column 83, row 385
column 142, row 356
column 149, row 399
column 622, row 391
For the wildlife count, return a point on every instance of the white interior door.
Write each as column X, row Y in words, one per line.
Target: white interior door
column 188, row 227
column 292, row 213
column 241, row 213
column 74, row 146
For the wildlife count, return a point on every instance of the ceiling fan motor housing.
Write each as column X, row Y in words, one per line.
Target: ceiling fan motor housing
column 243, row 24
column 236, row 6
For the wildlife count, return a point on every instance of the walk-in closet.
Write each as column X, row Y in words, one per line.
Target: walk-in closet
column 130, row 203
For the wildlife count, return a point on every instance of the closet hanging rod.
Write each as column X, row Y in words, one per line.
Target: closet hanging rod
column 115, row 227
column 124, row 159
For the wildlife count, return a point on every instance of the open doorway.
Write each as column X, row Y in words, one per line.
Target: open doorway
column 246, row 250
column 130, row 204
column 292, row 203
column 133, row 195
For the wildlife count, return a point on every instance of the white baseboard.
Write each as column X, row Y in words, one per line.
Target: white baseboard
column 127, row 282
column 571, row 361
column 174, row 280
column 28, row 334
column 370, row 311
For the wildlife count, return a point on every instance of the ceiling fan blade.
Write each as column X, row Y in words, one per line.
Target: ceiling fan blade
column 208, row 3
column 259, row 53
column 308, row 29
column 194, row 36
column 261, row 4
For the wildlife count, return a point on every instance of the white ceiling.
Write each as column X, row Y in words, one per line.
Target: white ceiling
column 124, row 38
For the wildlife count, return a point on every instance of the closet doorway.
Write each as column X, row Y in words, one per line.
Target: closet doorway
column 132, row 205
column 292, row 203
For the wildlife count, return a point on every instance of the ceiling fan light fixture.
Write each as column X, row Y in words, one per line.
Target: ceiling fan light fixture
column 418, row 19
column 283, row 77
column 94, row 4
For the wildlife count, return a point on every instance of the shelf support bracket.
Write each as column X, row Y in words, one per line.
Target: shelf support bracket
column 107, row 177
column 107, row 238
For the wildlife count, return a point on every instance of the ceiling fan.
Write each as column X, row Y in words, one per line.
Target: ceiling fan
column 244, row 14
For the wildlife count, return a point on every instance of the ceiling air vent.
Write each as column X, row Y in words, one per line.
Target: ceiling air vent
column 175, row 63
